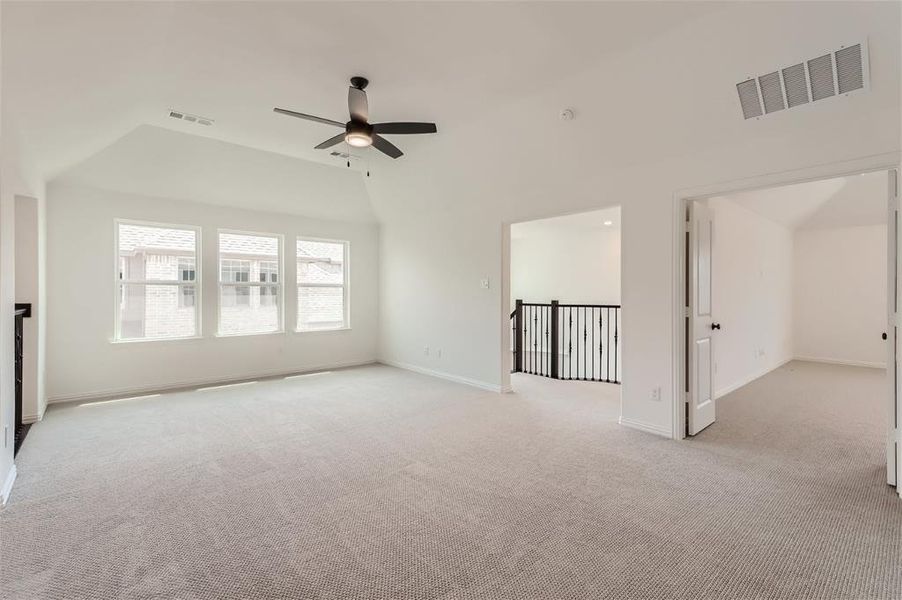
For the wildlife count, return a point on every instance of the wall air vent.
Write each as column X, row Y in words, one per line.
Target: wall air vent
column 836, row 73
column 177, row 114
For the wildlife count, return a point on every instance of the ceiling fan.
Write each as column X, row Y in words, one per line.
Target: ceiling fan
column 358, row 132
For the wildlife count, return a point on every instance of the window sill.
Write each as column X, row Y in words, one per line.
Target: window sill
column 322, row 330
column 249, row 334
column 147, row 340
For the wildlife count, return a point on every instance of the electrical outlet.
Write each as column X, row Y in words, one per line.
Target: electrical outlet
column 485, row 283
column 656, row 394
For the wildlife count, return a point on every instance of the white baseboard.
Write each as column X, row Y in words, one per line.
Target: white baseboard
column 747, row 380
column 491, row 387
column 181, row 386
column 8, row 485
column 646, row 427
column 839, row 361
column 34, row 418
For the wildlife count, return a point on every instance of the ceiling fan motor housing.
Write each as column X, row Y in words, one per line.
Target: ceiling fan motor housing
column 358, row 133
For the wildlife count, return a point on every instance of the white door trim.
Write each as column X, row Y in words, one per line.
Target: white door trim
column 681, row 198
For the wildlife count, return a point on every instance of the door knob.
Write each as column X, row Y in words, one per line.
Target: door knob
column 715, row 325
column 884, row 335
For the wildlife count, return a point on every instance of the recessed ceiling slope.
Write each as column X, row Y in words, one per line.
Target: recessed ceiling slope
column 157, row 162
column 829, row 203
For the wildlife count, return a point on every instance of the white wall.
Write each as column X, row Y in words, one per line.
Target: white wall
column 17, row 178
column 840, row 295
column 80, row 297
column 31, row 288
column 574, row 266
column 752, row 295
column 651, row 121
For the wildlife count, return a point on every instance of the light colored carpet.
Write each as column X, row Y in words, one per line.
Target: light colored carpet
column 379, row 483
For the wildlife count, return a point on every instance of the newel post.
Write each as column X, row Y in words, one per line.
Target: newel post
column 518, row 337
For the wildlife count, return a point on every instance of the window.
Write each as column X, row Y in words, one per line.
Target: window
column 322, row 285
column 269, row 273
column 249, row 283
column 236, row 271
column 156, row 281
column 187, row 273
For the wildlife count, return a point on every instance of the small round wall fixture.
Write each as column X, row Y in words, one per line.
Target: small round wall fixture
column 567, row 114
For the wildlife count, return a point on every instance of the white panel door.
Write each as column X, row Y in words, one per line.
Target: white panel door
column 701, row 326
column 894, row 289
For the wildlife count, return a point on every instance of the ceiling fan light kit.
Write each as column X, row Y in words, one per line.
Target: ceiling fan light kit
column 358, row 132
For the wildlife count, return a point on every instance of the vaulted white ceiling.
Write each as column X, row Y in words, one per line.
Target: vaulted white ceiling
column 158, row 162
column 825, row 204
column 606, row 219
column 652, row 85
column 79, row 75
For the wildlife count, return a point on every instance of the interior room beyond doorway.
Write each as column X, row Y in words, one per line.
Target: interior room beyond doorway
column 565, row 298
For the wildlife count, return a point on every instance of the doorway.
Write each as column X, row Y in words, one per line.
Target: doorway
column 776, row 278
column 563, row 299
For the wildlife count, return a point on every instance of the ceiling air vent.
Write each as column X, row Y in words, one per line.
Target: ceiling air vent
column 796, row 85
column 748, row 97
column 835, row 73
column 176, row 114
column 344, row 155
column 820, row 74
column 849, row 72
column 771, row 92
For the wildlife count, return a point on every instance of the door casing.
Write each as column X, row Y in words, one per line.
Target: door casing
column 681, row 202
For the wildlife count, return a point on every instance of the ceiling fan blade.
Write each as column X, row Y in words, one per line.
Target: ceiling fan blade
column 291, row 113
column 331, row 142
column 383, row 145
column 404, row 128
column 358, row 105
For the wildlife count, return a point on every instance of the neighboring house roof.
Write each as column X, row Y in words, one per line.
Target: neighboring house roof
column 134, row 238
column 324, row 259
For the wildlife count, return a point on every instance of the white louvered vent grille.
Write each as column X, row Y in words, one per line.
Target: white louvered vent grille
column 849, row 72
column 748, row 97
column 177, row 114
column 771, row 92
column 796, row 85
column 820, row 74
column 836, row 73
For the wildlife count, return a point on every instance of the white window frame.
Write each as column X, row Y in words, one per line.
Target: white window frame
column 117, row 282
column 346, row 285
column 280, row 261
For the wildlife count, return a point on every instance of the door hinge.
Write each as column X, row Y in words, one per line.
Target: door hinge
column 686, row 311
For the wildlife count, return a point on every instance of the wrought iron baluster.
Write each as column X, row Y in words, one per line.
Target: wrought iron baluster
column 570, row 343
column 600, row 344
column 585, row 346
column 593, row 342
column 608, row 370
column 616, row 338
